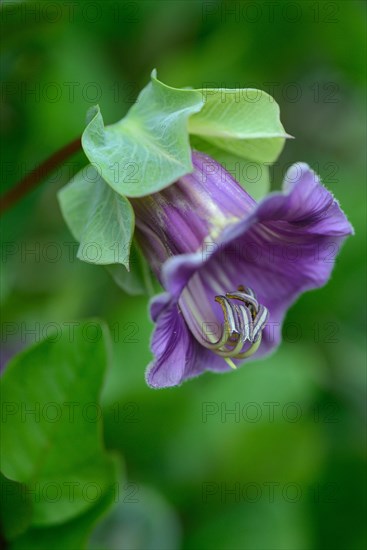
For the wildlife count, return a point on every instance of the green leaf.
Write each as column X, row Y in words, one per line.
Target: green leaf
column 253, row 176
column 141, row 515
column 149, row 148
column 138, row 280
column 16, row 507
column 51, row 437
column 242, row 122
column 100, row 219
column 72, row 535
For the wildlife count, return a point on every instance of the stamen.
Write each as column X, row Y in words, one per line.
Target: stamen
column 247, row 298
column 244, row 321
column 260, row 321
column 230, row 363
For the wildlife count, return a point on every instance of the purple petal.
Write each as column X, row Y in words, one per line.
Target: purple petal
column 177, row 271
column 174, row 348
column 307, row 204
column 178, row 219
column 215, row 190
column 208, row 360
column 158, row 304
column 178, row 355
column 287, row 245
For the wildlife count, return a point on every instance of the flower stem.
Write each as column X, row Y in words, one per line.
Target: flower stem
column 34, row 178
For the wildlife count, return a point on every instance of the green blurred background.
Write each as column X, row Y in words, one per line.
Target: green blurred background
column 287, row 469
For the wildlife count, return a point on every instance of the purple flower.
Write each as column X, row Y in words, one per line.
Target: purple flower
column 230, row 266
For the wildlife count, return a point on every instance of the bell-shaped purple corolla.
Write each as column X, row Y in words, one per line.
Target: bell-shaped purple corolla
column 230, row 266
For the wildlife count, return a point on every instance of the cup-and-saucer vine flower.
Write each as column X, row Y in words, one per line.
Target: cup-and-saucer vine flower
column 231, row 267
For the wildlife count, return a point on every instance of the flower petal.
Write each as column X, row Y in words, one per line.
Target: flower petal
column 306, row 203
column 177, row 271
column 174, row 347
column 178, row 219
column 285, row 246
column 158, row 304
column 178, row 355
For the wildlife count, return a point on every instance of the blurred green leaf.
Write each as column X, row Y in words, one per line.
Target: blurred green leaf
column 98, row 217
column 149, row 148
column 136, row 281
column 142, row 519
column 51, row 402
column 71, row 535
column 16, row 507
column 244, row 122
column 253, row 525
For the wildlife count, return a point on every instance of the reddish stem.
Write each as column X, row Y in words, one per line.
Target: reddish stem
column 34, row 178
